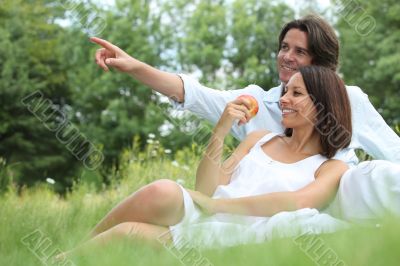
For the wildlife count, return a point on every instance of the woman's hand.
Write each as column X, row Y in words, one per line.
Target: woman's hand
column 112, row 55
column 207, row 205
column 235, row 110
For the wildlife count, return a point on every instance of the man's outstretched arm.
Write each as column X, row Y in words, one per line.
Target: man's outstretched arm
column 166, row 83
column 186, row 93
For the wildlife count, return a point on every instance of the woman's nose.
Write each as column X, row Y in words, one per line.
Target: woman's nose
column 284, row 99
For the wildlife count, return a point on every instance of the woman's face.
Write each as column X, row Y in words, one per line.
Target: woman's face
column 296, row 104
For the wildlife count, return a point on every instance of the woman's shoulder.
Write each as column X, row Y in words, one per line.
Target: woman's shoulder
column 257, row 134
column 251, row 139
column 332, row 166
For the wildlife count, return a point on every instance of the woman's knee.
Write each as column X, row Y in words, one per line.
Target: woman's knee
column 163, row 192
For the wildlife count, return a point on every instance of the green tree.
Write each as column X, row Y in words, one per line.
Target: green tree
column 111, row 108
column 204, row 38
column 45, row 48
column 253, row 45
column 29, row 62
column 370, row 37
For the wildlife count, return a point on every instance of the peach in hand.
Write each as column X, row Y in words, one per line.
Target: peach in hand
column 252, row 102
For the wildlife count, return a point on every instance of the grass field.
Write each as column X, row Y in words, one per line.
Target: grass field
column 38, row 215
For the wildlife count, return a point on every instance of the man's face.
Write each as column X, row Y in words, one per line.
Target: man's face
column 293, row 54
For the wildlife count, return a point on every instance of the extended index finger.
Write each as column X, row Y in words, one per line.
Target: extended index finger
column 105, row 44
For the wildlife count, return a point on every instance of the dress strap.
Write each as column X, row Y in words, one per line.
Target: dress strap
column 267, row 137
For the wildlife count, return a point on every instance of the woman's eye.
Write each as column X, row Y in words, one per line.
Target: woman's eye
column 297, row 93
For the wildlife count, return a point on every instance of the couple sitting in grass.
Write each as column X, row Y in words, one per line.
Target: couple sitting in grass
column 297, row 154
column 267, row 173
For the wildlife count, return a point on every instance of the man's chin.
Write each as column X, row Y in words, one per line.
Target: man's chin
column 284, row 79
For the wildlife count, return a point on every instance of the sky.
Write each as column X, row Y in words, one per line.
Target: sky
column 323, row 3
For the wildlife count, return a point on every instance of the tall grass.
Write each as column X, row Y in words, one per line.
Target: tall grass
column 39, row 214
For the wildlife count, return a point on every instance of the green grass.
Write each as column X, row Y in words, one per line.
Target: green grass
column 64, row 222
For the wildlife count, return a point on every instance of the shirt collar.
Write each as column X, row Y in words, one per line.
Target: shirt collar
column 273, row 95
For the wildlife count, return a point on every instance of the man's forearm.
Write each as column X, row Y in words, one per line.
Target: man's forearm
column 209, row 168
column 262, row 205
column 168, row 84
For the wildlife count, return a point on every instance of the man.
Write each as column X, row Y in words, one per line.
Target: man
column 368, row 190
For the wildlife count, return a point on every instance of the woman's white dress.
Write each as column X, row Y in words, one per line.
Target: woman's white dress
column 256, row 174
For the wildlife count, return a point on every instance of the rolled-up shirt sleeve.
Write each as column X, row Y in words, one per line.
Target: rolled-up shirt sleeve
column 205, row 102
column 209, row 104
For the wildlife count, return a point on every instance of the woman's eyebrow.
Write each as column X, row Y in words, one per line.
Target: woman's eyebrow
column 297, row 87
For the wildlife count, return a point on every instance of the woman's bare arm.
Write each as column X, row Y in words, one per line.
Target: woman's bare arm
column 318, row 194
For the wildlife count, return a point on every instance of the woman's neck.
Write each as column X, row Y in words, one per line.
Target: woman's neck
column 304, row 141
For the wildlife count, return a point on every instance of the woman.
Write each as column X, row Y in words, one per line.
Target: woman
column 266, row 174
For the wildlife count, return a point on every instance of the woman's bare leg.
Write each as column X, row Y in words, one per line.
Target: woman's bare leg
column 154, row 235
column 159, row 203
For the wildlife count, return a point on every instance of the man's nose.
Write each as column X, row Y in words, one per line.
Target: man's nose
column 289, row 55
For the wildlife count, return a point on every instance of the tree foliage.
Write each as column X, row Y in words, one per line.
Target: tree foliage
column 44, row 49
column 370, row 38
column 30, row 60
